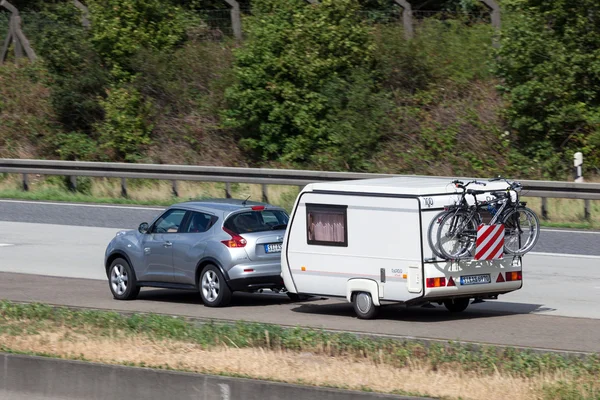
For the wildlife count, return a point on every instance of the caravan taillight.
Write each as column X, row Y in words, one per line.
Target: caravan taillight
column 514, row 276
column 235, row 241
column 435, row 282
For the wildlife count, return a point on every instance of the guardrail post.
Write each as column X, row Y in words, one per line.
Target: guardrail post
column 265, row 197
column 175, row 189
column 123, row 187
column 586, row 210
column 544, row 208
column 72, row 183
column 25, row 182
column 227, row 190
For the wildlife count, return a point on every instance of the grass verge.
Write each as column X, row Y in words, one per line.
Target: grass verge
column 296, row 355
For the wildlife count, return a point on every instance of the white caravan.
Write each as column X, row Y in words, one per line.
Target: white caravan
column 366, row 240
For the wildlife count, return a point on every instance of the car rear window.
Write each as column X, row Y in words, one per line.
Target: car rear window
column 257, row 221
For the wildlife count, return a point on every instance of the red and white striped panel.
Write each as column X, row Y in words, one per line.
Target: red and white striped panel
column 490, row 242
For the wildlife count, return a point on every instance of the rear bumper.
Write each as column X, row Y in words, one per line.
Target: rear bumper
column 254, row 270
column 255, row 275
column 255, row 283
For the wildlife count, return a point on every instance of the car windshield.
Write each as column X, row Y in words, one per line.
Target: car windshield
column 257, row 221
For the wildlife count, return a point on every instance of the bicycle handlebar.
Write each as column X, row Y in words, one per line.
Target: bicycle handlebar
column 462, row 185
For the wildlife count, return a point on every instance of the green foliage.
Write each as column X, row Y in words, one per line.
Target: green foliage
column 122, row 27
column 296, row 53
column 126, row 128
column 550, row 65
column 26, row 116
column 79, row 79
column 75, row 146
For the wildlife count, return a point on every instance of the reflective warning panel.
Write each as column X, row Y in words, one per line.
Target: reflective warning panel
column 490, row 242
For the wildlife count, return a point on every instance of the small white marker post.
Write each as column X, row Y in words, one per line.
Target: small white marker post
column 578, row 163
column 578, row 170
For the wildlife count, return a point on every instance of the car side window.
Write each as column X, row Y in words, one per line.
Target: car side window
column 169, row 222
column 199, row 222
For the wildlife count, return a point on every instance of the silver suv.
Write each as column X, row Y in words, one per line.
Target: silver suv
column 213, row 246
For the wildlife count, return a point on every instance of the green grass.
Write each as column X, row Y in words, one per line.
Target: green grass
column 54, row 194
column 22, row 319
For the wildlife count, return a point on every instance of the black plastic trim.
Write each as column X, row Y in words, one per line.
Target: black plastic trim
column 168, row 285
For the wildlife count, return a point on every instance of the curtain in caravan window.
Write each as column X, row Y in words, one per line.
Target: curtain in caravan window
column 327, row 225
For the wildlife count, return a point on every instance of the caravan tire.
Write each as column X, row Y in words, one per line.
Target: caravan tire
column 363, row 305
column 457, row 305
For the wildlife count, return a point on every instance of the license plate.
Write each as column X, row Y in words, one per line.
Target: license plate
column 475, row 279
column 273, row 248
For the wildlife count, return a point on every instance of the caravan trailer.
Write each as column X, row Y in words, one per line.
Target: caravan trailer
column 366, row 241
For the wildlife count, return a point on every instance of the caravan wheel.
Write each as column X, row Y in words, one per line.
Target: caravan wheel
column 363, row 305
column 457, row 305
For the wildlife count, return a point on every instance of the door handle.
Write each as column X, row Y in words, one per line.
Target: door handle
column 168, row 244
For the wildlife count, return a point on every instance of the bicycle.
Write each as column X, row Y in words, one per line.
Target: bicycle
column 518, row 220
column 457, row 231
column 461, row 218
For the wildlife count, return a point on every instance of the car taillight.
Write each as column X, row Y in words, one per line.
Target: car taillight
column 435, row 282
column 235, row 241
column 514, row 276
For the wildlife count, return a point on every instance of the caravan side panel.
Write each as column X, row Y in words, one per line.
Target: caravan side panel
column 381, row 241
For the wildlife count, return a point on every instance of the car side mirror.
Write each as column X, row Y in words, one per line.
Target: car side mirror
column 143, row 228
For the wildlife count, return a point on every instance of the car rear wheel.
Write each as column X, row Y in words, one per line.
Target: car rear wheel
column 213, row 288
column 363, row 306
column 121, row 280
column 457, row 305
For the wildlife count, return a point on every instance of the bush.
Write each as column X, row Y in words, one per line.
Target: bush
column 26, row 116
column 126, row 127
column 121, row 27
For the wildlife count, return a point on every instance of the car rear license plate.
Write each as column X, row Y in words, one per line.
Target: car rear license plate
column 273, row 248
column 475, row 279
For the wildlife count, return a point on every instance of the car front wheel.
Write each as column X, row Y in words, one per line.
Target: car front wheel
column 121, row 280
column 213, row 288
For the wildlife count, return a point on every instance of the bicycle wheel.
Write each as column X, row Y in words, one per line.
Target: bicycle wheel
column 432, row 234
column 522, row 230
column 456, row 235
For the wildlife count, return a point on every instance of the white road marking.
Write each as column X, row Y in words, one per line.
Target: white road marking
column 132, row 207
column 6, row 244
column 570, row 231
column 563, row 255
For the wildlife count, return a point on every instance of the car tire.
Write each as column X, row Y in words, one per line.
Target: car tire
column 457, row 305
column 122, row 281
column 363, row 305
column 213, row 288
column 297, row 297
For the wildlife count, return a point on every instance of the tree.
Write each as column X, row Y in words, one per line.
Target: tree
column 294, row 75
column 550, row 65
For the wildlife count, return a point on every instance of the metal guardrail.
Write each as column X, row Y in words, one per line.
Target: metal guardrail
column 261, row 176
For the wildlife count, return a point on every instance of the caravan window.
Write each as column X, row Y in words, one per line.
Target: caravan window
column 327, row 225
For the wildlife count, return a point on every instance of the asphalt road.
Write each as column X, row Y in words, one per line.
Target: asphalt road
column 557, row 307
column 58, row 260
column 129, row 217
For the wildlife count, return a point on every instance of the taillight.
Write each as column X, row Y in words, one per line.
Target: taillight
column 258, row 208
column 235, row 241
column 514, row 276
column 436, row 282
